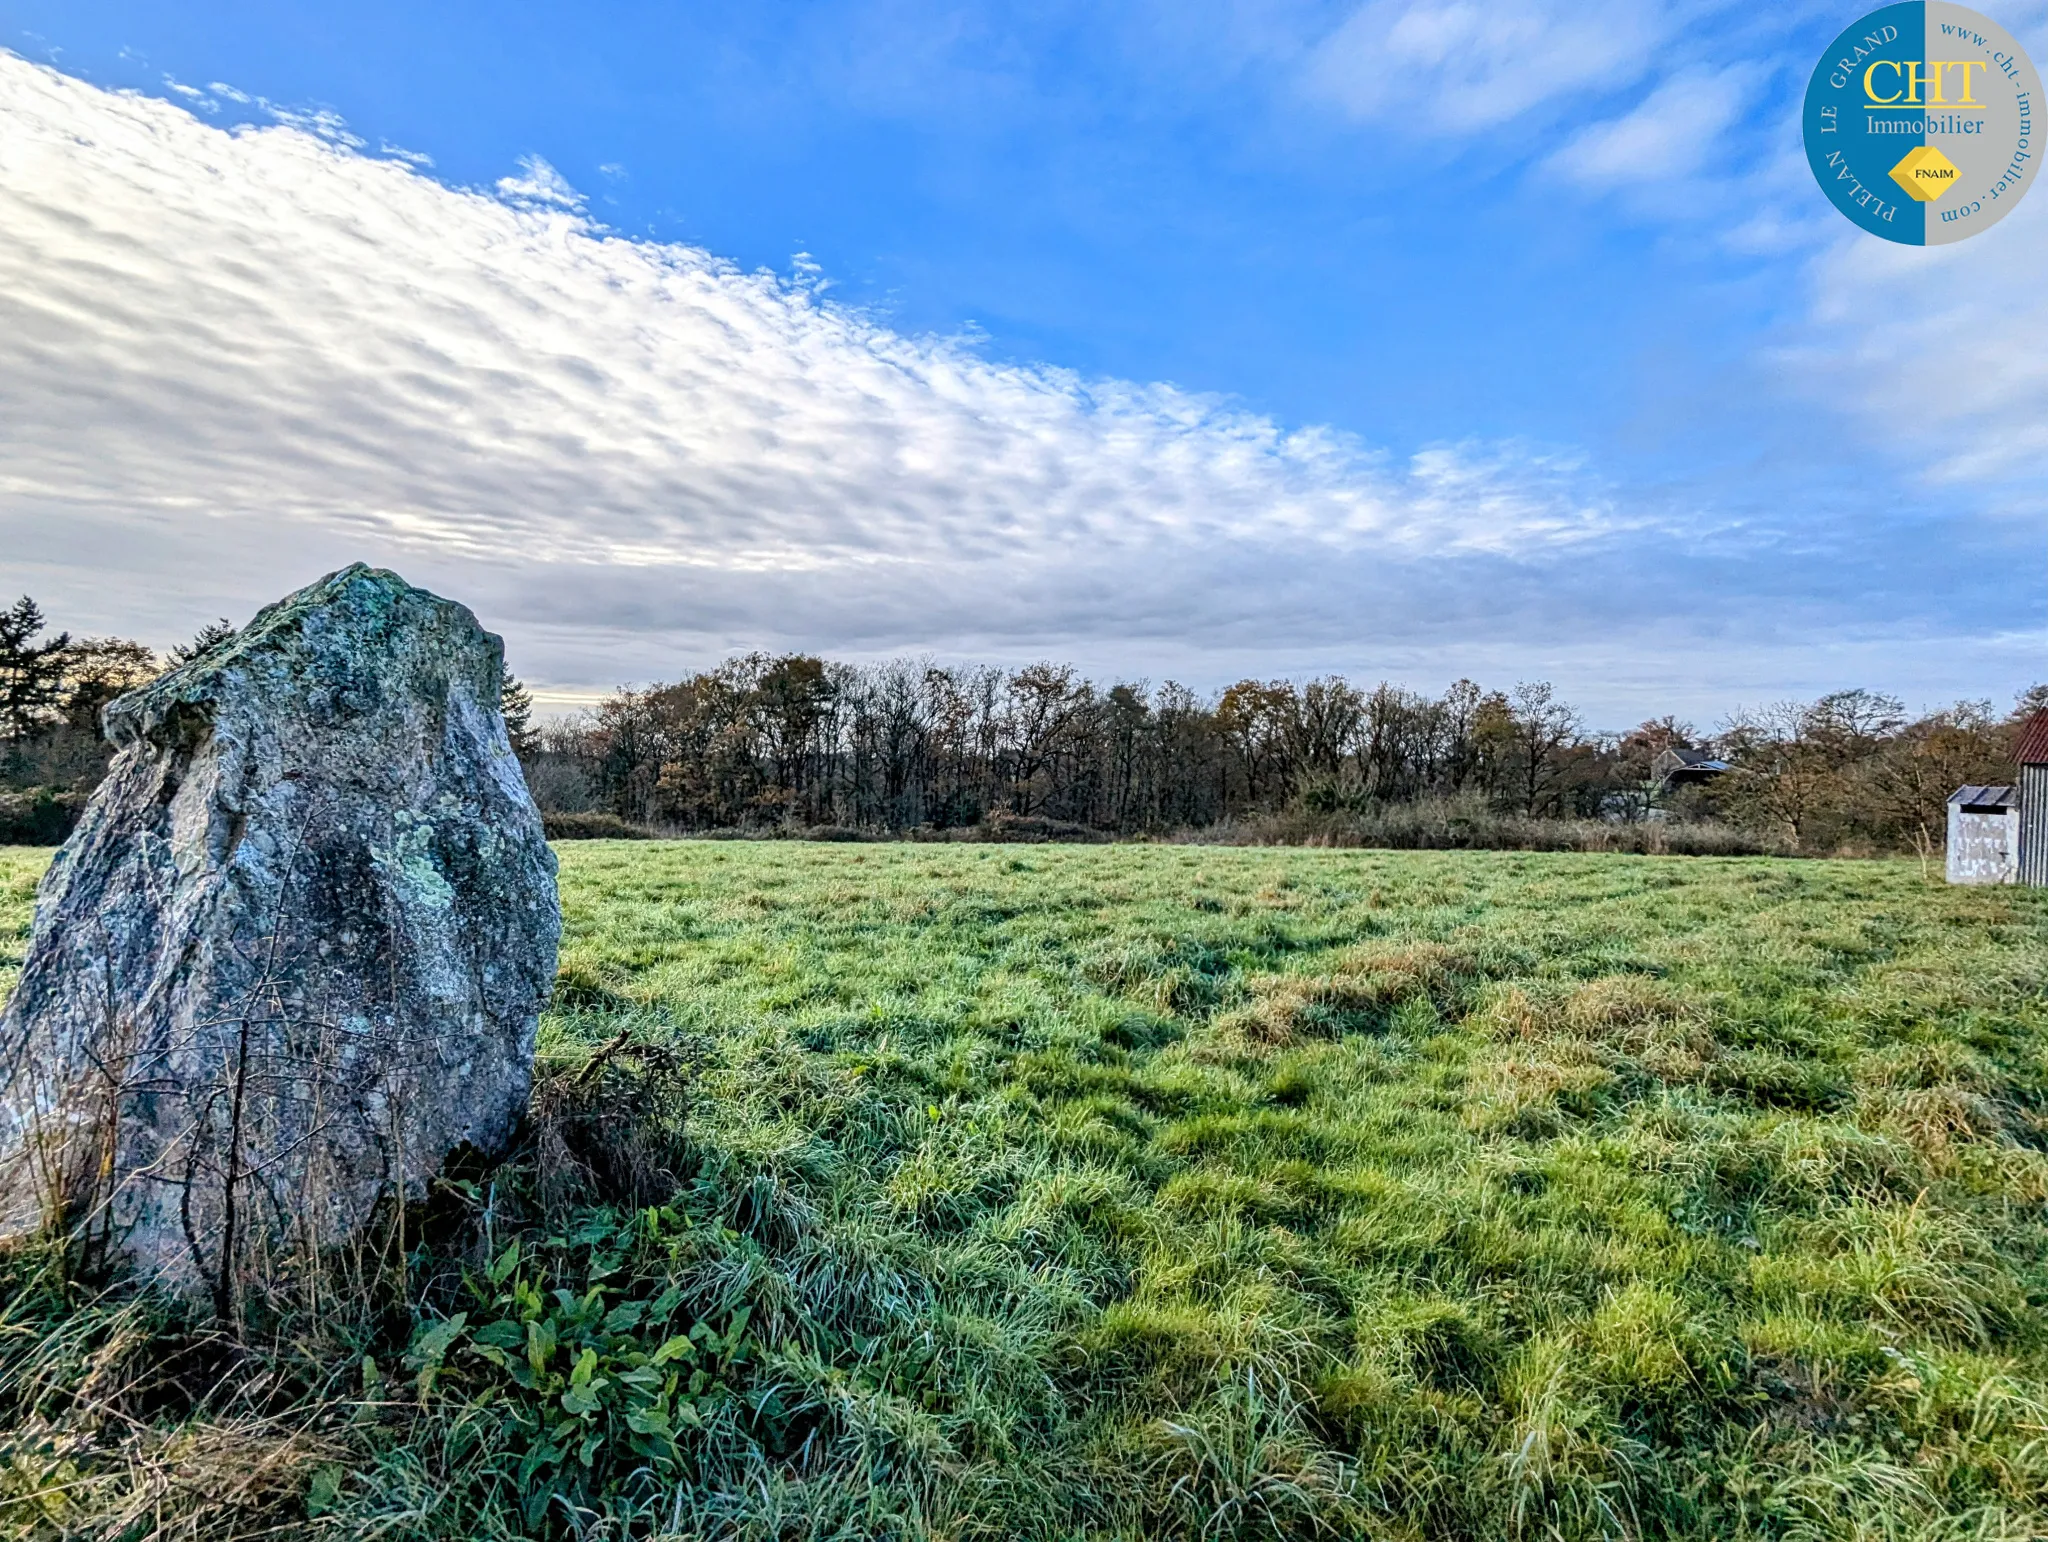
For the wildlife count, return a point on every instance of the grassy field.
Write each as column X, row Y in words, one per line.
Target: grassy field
column 1058, row 1192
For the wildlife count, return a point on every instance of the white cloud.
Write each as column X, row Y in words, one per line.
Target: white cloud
column 321, row 122
column 1468, row 65
column 1668, row 138
column 1941, row 351
column 539, row 183
column 1677, row 107
column 233, row 359
column 229, row 359
column 192, row 94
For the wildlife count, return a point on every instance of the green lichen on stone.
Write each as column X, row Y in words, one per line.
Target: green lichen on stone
column 408, row 862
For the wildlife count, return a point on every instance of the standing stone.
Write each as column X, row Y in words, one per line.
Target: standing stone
column 294, row 953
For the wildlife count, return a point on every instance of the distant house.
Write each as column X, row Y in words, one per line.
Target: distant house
column 1983, row 835
column 1675, row 767
column 2032, row 756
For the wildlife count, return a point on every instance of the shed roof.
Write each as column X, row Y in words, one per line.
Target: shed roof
column 1674, row 758
column 1984, row 797
column 2033, row 747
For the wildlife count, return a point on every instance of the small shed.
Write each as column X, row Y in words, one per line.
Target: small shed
column 1983, row 835
column 2032, row 755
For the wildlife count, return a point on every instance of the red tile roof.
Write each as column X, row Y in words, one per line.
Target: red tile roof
column 2033, row 750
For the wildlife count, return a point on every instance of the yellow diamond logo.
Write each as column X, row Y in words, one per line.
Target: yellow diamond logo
column 1925, row 173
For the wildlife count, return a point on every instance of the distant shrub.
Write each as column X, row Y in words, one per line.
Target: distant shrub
column 1443, row 825
column 39, row 817
column 1023, row 827
column 594, row 827
column 1005, row 826
column 1464, row 825
column 840, row 833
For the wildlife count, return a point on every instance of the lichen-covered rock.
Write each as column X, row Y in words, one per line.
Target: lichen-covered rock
column 293, row 955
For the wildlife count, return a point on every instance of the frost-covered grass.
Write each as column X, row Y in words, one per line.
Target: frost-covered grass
column 1159, row 1192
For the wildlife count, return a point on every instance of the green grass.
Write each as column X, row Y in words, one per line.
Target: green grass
column 20, row 867
column 1165, row 1192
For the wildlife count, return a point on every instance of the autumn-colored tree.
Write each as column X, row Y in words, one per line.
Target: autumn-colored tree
column 1636, row 753
column 1252, row 716
column 96, row 670
column 1908, row 776
column 1794, row 766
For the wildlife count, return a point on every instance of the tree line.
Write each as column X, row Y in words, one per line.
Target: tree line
column 794, row 741
column 778, row 743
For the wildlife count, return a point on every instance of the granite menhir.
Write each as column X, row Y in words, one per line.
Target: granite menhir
column 294, row 955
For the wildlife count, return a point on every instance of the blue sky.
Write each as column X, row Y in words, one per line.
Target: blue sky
column 1413, row 338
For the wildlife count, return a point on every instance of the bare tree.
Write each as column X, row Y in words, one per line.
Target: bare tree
column 1541, row 728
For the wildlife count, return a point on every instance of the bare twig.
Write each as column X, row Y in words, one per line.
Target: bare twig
column 596, row 1062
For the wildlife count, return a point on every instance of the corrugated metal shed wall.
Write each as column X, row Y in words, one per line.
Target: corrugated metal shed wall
column 2034, row 825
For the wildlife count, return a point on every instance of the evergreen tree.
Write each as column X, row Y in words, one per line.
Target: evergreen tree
column 210, row 637
column 516, row 703
column 31, row 673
